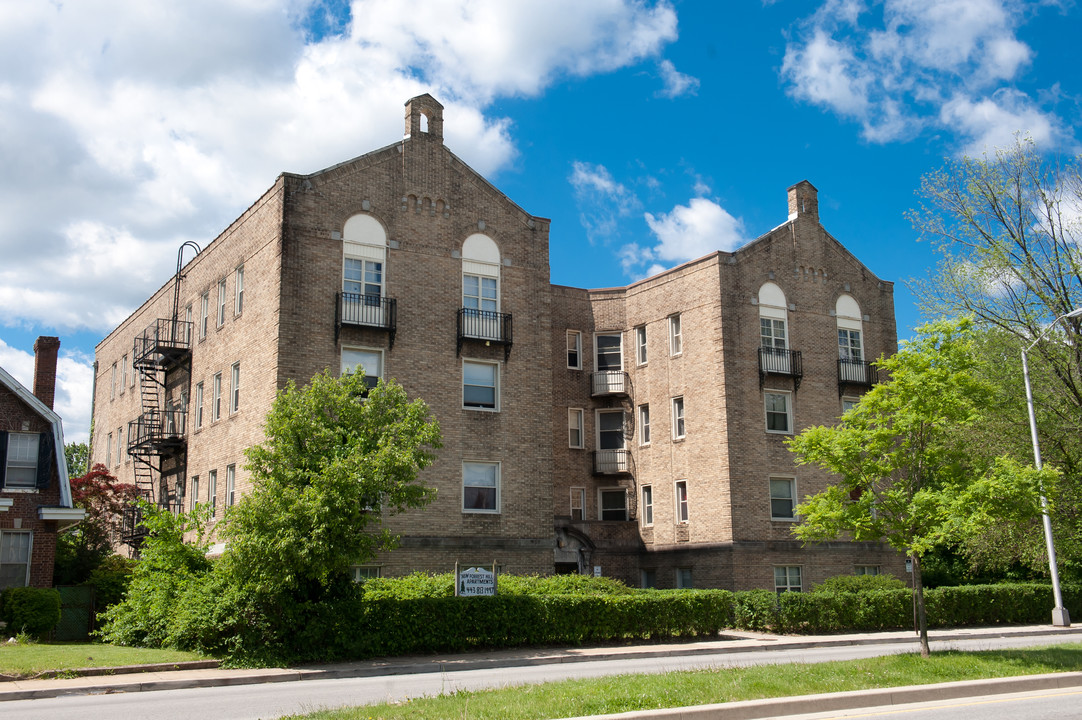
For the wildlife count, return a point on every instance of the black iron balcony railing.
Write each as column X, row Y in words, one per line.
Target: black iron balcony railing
column 609, row 382
column 164, row 342
column 612, row 462
column 157, row 432
column 370, row 311
column 485, row 325
column 778, row 361
column 855, row 372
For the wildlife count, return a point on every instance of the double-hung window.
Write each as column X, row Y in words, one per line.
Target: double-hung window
column 574, row 428
column 15, row 552
column 230, row 485
column 370, row 361
column 612, row 504
column 676, row 341
column 678, row 429
column 644, row 424
column 108, row 450
column 195, row 491
column 123, row 373
column 647, row 505
column 779, row 411
column 238, row 291
column 578, row 503
column 611, row 450
column 684, row 579
column 640, row 344
column 234, row 388
column 198, row 405
column 574, row 349
column 204, row 314
column 112, row 383
column 21, row 467
column 787, row 578
column 609, row 363
column 364, row 252
column 480, row 487
column 480, row 385
column 216, row 398
column 221, row 302
column 119, row 445
column 212, row 491
column 682, row 502
column 187, row 326
column 782, row 498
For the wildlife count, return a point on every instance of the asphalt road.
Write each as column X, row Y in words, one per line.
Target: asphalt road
column 1041, row 705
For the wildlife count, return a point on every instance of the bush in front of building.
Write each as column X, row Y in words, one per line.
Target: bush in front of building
column 30, row 610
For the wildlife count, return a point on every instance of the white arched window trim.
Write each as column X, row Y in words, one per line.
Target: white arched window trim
column 364, row 265
column 481, row 287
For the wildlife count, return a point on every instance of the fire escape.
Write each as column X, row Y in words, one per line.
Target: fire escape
column 162, row 357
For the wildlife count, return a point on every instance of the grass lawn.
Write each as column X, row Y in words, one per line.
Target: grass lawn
column 27, row 660
column 644, row 692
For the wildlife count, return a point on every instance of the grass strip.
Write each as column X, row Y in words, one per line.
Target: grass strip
column 624, row 693
column 29, row 659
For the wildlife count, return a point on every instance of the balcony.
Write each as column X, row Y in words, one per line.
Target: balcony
column 485, row 326
column 132, row 529
column 612, row 462
column 855, row 372
column 157, row 432
column 164, row 343
column 609, row 383
column 367, row 311
column 778, row 361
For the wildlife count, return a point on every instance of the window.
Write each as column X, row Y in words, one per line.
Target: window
column 371, row 361
column 849, row 347
column 772, row 333
column 212, row 491
column 681, row 501
column 612, row 504
column 850, row 350
column 187, row 325
column 787, row 578
column 180, row 495
column 683, row 579
column 774, row 339
column 21, row 468
column 480, row 487
column 364, row 572
column 676, row 342
column 647, row 505
column 678, row 430
column 221, row 302
column 15, row 558
column 216, row 398
column 204, row 314
column 574, row 349
column 108, row 450
column 238, row 291
column 574, row 428
column 644, row 424
column 199, row 405
column 234, row 387
column 195, row 491
column 480, row 385
column 610, row 354
column 119, row 445
column 648, row 578
column 782, row 498
column 848, row 403
column 610, row 430
column 578, row 503
column 133, row 369
column 779, row 417
column 112, row 383
column 230, row 484
column 866, row 570
column 479, row 293
column 640, row 344
column 364, row 252
column 123, row 373
column 481, row 287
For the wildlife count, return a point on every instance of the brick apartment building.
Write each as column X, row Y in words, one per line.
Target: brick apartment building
column 35, row 494
column 637, row 432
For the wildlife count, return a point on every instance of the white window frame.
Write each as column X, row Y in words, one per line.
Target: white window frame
column 212, row 491
column 238, row 291
column 204, row 314
column 230, row 485
column 618, row 461
column 112, row 383
column 496, row 473
column 597, row 353
column 6, row 537
column 195, row 492
column 119, row 446
column 850, row 401
column 234, row 388
column 647, row 505
column 187, row 325
column 682, row 504
column 676, row 340
column 199, row 405
column 576, row 423
column 578, row 494
column 601, row 493
column 108, row 451
column 221, row 302
column 679, row 422
column 361, row 573
column 685, row 579
column 644, row 424
column 363, row 357
column 574, row 345
column 640, row 345
column 790, row 481
column 123, row 373
column 866, row 570
column 788, row 578
column 495, row 367
column 216, row 398
column 788, row 396
column 25, row 463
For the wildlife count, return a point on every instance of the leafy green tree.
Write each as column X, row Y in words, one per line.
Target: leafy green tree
column 77, row 456
column 905, row 475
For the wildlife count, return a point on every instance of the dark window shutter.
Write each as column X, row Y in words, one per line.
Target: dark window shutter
column 45, row 463
column 3, row 457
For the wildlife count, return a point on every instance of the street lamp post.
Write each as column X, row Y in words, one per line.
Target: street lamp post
column 1060, row 616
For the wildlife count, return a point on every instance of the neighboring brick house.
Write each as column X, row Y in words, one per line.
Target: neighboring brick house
column 407, row 262
column 35, row 494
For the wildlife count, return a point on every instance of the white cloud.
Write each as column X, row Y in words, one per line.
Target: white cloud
column 676, row 82
column 995, row 121
column 603, row 202
column 696, row 229
column 74, row 386
column 128, row 127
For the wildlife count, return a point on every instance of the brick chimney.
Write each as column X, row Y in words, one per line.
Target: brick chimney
column 804, row 201
column 45, row 351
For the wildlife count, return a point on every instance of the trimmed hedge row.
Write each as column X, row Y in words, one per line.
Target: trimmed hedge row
column 35, row 611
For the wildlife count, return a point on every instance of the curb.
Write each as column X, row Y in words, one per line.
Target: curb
column 115, row 670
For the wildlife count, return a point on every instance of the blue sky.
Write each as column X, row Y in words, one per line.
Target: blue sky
column 650, row 132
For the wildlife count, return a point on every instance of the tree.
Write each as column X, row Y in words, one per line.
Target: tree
column 83, row 548
column 77, row 455
column 905, row 475
column 1009, row 230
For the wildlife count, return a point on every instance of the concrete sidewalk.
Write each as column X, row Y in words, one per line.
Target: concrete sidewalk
column 148, row 678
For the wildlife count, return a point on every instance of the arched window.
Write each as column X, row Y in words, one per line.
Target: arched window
column 481, row 287
column 364, row 253
column 850, row 340
column 773, row 328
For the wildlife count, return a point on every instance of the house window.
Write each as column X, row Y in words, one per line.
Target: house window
column 681, row 501
column 676, row 342
column 647, row 505
column 850, row 348
column 21, row 468
column 610, row 430
column 212, row 491
column 479, row 293
column 574, row 349
column 221, row 302
column 15, row 556
column 119, row 446
column 648, row 579
column 644, row 424
column 782, row 498
column 683, row 579
column 112, row 383
column 238, row 291
column 678, row 430
column 610, row 354
column 779, row 415
column 578, row 503
column 370, row 361
column 574, row 428
column 480, row 487
column 480, row 385
column 481, row 287
column 187, row 326
column 123, row 373
column 866, row 570
column 204, row 314
column 216, row 398
column 234, row 387
column 180, row 495
column 195, row 491
column 612, row 504
column 772, row 333
column 787, row 578
column 361, row 573
column 848, row 403
column 230, row 485
column 640, row 344
column 108, row 451
column 199, row 405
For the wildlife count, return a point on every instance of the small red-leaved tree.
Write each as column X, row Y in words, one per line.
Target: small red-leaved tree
column 83, row 548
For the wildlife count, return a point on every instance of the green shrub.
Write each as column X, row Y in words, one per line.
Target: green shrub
column 110, row 580
column 858, row 583
column 34, row 611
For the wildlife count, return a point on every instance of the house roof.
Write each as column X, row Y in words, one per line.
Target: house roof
column 54, row 422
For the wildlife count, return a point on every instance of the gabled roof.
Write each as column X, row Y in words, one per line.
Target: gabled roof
column 57, row 426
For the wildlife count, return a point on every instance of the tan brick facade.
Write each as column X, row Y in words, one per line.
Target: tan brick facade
column 440, row 229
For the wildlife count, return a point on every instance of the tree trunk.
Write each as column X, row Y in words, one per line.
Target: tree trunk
column 922, row 615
